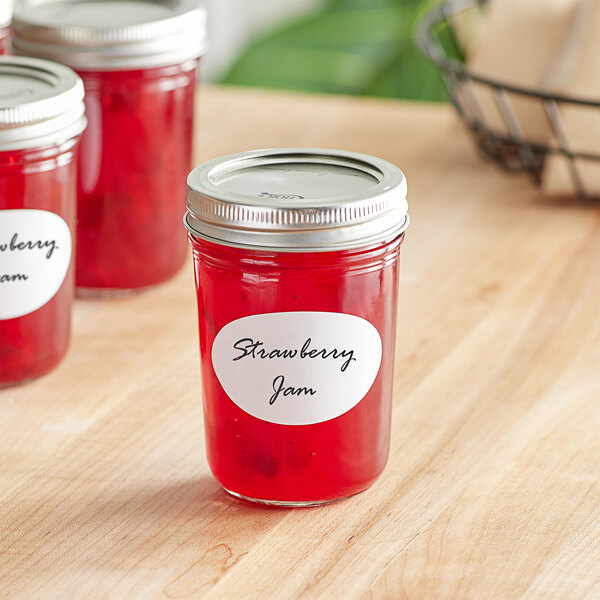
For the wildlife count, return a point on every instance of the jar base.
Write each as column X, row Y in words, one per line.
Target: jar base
column 21, row 382
column 290, row 503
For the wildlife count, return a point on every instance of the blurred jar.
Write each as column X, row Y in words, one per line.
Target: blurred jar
column 138, row 61
column 41, row 119
column 6, row 8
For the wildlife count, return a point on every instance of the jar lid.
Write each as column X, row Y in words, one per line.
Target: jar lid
column 6, row 9
column 110, row 34
column 297, row 199
column 41, row 103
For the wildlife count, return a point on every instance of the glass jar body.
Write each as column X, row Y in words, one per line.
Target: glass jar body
column 135, row 156
column 309, row 463
column 40, row 179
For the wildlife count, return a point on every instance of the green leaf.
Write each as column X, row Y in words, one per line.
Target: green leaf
column 362, row 47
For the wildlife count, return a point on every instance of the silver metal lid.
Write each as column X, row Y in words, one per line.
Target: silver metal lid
column 41, row 103
column 297, row 199
column 6, row 9
column 110, row 34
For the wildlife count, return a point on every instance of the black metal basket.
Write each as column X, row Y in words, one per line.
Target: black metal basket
column 512, row 151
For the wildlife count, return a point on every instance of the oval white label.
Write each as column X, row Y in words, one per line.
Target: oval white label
column 35, row 253
column 297, row 368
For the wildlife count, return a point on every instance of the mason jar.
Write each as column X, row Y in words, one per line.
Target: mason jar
column 296, row 267
column 138, row 61
column 41, row 120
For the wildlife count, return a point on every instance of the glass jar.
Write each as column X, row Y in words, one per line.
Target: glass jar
column 41, row 119
column 296, row 267
column 139, row 66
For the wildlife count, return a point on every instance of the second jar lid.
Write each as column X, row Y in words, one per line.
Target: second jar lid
column 110, row 34
column 297, row 199
column 41, row 103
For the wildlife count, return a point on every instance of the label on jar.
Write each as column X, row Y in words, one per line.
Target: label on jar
column 35, row 253
column 297, row 368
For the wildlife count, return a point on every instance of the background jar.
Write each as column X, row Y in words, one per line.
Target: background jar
column 138, row 61
column 296, row 266
column 41, row 119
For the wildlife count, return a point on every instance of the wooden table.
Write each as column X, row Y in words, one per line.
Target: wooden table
column 492, row 489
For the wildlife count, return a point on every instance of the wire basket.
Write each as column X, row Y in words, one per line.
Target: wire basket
column 511, row 150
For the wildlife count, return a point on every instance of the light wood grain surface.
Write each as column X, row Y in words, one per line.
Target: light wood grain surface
column 492, row 489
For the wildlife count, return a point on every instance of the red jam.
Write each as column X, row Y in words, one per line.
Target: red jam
column 135, row 156
column 296, row 256
column 138, row 61
column 318, row 462
column 41, row 179
column 39, row 142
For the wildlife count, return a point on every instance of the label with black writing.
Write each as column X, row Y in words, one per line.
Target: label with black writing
column 297, row 368
column 35, row 253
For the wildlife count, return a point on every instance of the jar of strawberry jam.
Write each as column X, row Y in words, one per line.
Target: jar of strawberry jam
column 41, row 119
column 296, row 265
column 138, row 60
column 5, row 17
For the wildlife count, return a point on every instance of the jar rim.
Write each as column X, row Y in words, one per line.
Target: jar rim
column 348, row 200
column 127, row 34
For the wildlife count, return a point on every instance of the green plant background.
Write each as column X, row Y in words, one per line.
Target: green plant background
column 359, row 47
